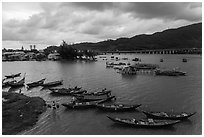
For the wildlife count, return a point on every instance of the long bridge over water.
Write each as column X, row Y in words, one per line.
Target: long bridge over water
column 160, row 51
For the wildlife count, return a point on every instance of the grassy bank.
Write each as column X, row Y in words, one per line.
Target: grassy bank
column 20, row 112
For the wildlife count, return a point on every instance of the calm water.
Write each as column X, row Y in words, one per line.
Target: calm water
column 156, row 93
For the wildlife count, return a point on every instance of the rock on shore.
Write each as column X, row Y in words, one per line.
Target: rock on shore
column 20, row 112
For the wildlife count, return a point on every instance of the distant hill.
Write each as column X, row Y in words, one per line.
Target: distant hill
column 184, row 37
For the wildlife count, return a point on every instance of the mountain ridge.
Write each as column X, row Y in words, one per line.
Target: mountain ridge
column 189, row 36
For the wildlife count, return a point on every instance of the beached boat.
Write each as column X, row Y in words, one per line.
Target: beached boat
column 66, row 91
column 117, row 107
column 36, row 83
column 7, row 83
column 85, row 105
column 52, row 84
column 165, row 115
column 17, row 83
column 13, row 75
column 145, row 123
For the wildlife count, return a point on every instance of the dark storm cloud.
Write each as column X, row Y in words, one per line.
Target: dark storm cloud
column 166, row 10
column 94, row 21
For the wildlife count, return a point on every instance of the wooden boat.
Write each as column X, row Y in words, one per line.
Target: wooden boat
column 7, row 83
column 36, row 83
column 13, row 75
column 165, row 115
column 18, row 83
column 98, row 93
column 66, row 91
column 146, row 123
column 91, row 98
column 117, row 107
column 169, row 73
column 52, row 84
column 85, row 105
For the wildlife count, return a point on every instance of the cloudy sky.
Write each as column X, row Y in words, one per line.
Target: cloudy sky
column 46, row 23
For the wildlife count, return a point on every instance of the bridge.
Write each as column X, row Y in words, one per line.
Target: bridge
column 160, row 51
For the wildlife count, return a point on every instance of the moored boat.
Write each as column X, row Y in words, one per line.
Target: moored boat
column 18, row 83
column 7, row 83
column 84, row 105
column 169, row 72
column 87, row 98
column 98, row 93
column 165, row 115
column 52, row 84
column 36, row 83
column 118, row 107
column 13, row 75
column 66, row 91
column 146, row 123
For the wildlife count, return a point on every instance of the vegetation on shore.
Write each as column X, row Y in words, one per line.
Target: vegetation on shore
column 20, row 112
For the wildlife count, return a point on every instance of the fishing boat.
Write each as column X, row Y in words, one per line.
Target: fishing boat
column 36, row 83
column 145, row 123
column 165, row 115
column 52, row 84
column 7, row 83
column 98, row 93
column 17, row 83
column 80, row 105
column 87, row 98
column 84, row 105
column 13, row 75
column 66, row 91
column 173, row 72
column 117, row 107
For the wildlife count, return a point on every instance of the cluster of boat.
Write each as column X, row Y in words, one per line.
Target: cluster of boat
column 9, row 81
column 153, row 119
column 82, row 99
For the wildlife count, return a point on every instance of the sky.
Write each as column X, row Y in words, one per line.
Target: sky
column 48, row 23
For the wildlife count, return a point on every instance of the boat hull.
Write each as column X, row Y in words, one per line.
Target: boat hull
column 150, row 115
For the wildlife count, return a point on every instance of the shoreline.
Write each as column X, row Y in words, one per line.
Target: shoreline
column 20, row 112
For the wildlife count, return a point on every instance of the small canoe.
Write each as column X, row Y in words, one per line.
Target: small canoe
column 13, row 75
column 36, row 83
column 165, row 115
column 18, row 83
column 66, row 91
column 145, row 123
column 52, row 84
column 85, row 105
column 118, row 107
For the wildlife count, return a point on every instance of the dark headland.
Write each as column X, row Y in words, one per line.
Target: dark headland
column 20, row 112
